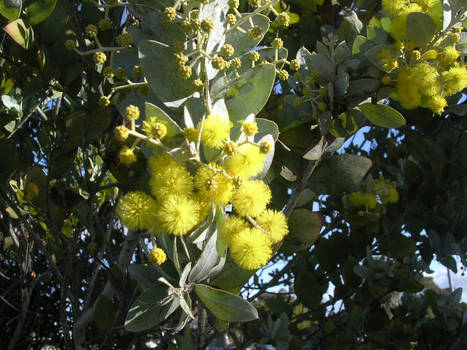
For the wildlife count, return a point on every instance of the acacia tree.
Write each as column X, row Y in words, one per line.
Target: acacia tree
column 158, row 156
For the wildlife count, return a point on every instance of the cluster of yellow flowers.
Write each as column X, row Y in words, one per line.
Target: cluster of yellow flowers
column 183, row 192
column 423, row 76
column 384, row 192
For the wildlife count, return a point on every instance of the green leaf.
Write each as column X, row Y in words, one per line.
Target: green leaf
column 339, row 173
column 420, row 28
column 304, row 228
column 104, row 315
column 246, row 94
column 350, row 27
column 226, row 306
column 22, row 35
column 159, row 69
column 448, row 261
column 140, row 317
column 241, row 41
column 400, row 246
column 153, row 295
column 316, row 62
column 146, row 276
column 208, row 264
column 347, row 123
column 10, row 9
column 382, row 115
column 39, row 10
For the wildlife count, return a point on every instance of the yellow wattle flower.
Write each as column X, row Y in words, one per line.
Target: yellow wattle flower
column 455, row 79
column 174, row 178
column 437, row 104
column 157, row 256
column 216, row 130
column 213, row 187
column 251, row 198
column 409, row 97
column 275, row 223
column 179, row 214
column 137, row 210
column 231, row 227
column 251, row 249
column 448, row 56
column 247, row 162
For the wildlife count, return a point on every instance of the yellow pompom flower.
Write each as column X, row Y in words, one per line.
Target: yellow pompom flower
column 409, row 97
column 178, row 214
column 426, row 77
column 216, row 130
column 155, row 128
column 448, row 56
column 275, row 223
column 126, row 156
column 250, row 128
column 393, row 7
column 251, row 198
column 173, row 179
column 437, row 104
column 191, row 134
column 430, row 55
column 359, row 199
column 213, row 187
column 248, row 161
column 157, row 256
column 455, row 79
column 137, row 210
column 251, row 249
column 231, row 227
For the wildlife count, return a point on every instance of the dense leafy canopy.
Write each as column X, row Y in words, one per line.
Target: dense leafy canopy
column 215, row 131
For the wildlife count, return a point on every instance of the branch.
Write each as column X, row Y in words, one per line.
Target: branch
column 79, row 329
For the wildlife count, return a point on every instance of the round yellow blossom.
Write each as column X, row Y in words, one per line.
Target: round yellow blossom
column 248, row 161
column 230, row 148
column 448, row 56
column 265, row 147
column 426, row 78
column 216, row 130
column 437, row 104
column 386, row 80
column 172, row 179
column 275, row 223
column 132, row 112
column 322, row 106
column 155, row 128
column 393, row 7
column 254, row 56
column 415, row 55
column 391, row 63
column 294, row 65
column 455, row 79
column 236, row 63
column 250, row 128
column 409, row 97
column 178, row 214
column 430, row 55
column 251, row 198
column 191, row 134
column 230, row 227
column 126, row 156
column 157, row 256
column 359, row 199
column 121, row 133
column 137, row 210
column 212, row 186
column 251, row 249
column 99, row 57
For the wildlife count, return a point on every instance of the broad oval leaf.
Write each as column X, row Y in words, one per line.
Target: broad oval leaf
column 157, row 63
column 420, row 28
column 141, row 317
column 246, row 94
column 339, row 173
column 39, row 10
column 226, row 306
column 10, row 9
column 382, row 115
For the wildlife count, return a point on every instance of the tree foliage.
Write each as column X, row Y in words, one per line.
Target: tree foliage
column 160, row 158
